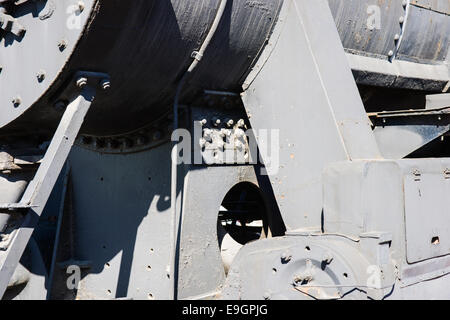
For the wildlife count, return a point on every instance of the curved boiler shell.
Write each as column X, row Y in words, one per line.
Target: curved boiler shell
column 144, row 45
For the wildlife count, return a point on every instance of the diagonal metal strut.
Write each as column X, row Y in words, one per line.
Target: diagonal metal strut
column 40, row 188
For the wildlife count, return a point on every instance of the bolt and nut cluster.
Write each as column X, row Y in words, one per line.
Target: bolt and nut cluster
column 224, row 136
column 105, row 84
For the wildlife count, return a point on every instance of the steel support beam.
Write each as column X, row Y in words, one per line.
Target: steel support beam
column 40, row 188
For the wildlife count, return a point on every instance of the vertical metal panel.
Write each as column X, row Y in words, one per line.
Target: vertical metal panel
column 122, row 223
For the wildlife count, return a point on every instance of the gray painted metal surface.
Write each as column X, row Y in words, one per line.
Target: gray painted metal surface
column 366, row 249
column 399, row 133
column 340, row 221
column 39, row 189
column 402, row 184
column 319, row 106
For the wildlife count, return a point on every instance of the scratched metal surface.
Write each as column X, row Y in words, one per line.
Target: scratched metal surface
column 426, row 36
column 423, row 37
column 442, row 6
column 351, row 18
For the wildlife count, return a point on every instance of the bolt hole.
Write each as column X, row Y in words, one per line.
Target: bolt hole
column 345, row 275
column 435, row 241
column 274, row 270
column 307, row 248
column 101, row 179
column 108, row 265
column 108, row 291
column 149, row 268
column 150, row 296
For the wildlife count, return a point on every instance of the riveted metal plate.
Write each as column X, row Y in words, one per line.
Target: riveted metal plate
column 31, row 63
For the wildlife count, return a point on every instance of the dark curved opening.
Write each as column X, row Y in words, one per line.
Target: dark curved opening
column 243, row 213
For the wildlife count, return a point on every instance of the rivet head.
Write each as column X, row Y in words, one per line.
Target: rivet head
column 17, row 101
column 81, row 6
column 40, row 75
column 60, row 105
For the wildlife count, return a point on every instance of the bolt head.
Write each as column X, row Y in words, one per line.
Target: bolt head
column 81, row 82
column 327, row 258
column 62, row 45
column 105, row 84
